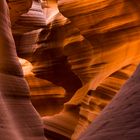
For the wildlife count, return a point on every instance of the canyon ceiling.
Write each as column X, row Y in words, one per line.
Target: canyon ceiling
column 69, row 70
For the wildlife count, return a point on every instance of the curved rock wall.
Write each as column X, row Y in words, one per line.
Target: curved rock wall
column 121, row 118
column 18, row 118
column 80, row 53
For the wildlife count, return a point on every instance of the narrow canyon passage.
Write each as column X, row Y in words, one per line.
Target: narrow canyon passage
column 69, row 70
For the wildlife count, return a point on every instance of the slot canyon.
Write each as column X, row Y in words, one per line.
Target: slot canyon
column 69, row 70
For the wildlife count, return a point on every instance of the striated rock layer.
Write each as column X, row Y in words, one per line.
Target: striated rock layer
column 18, row 118
column 121, row 118
column 95, row 101
column 79, row 54
column 109, row 29
column 18, row 7
column 47, row 98
column 86, row 46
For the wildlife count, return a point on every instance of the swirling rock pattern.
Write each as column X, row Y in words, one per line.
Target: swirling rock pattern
column 31, row 20
column 108, row 27
column 18, row 7
column 95, row 101
column 43, row 93
column 80, row 53
column 121, row 118
column 95, row 40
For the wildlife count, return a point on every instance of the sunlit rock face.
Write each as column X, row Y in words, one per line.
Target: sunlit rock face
column 31, row 19
column 75, row 56
column 106, row 28
column 94, row 41
column 25, row 32
column 95, row 101
column 121, row 118
column 43, row 93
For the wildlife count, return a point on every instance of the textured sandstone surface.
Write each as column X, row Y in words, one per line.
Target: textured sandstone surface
column 121, row 118
column 18, row 7
column 18, row 118
column 75, row 56
column 100, row 40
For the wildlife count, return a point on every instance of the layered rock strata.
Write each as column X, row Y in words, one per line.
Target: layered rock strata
column 18, row 118
column 109, row 29
column 89, row 48
column 94, row 40
column 121, row 118
column 95, row 101
column 47, row 98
